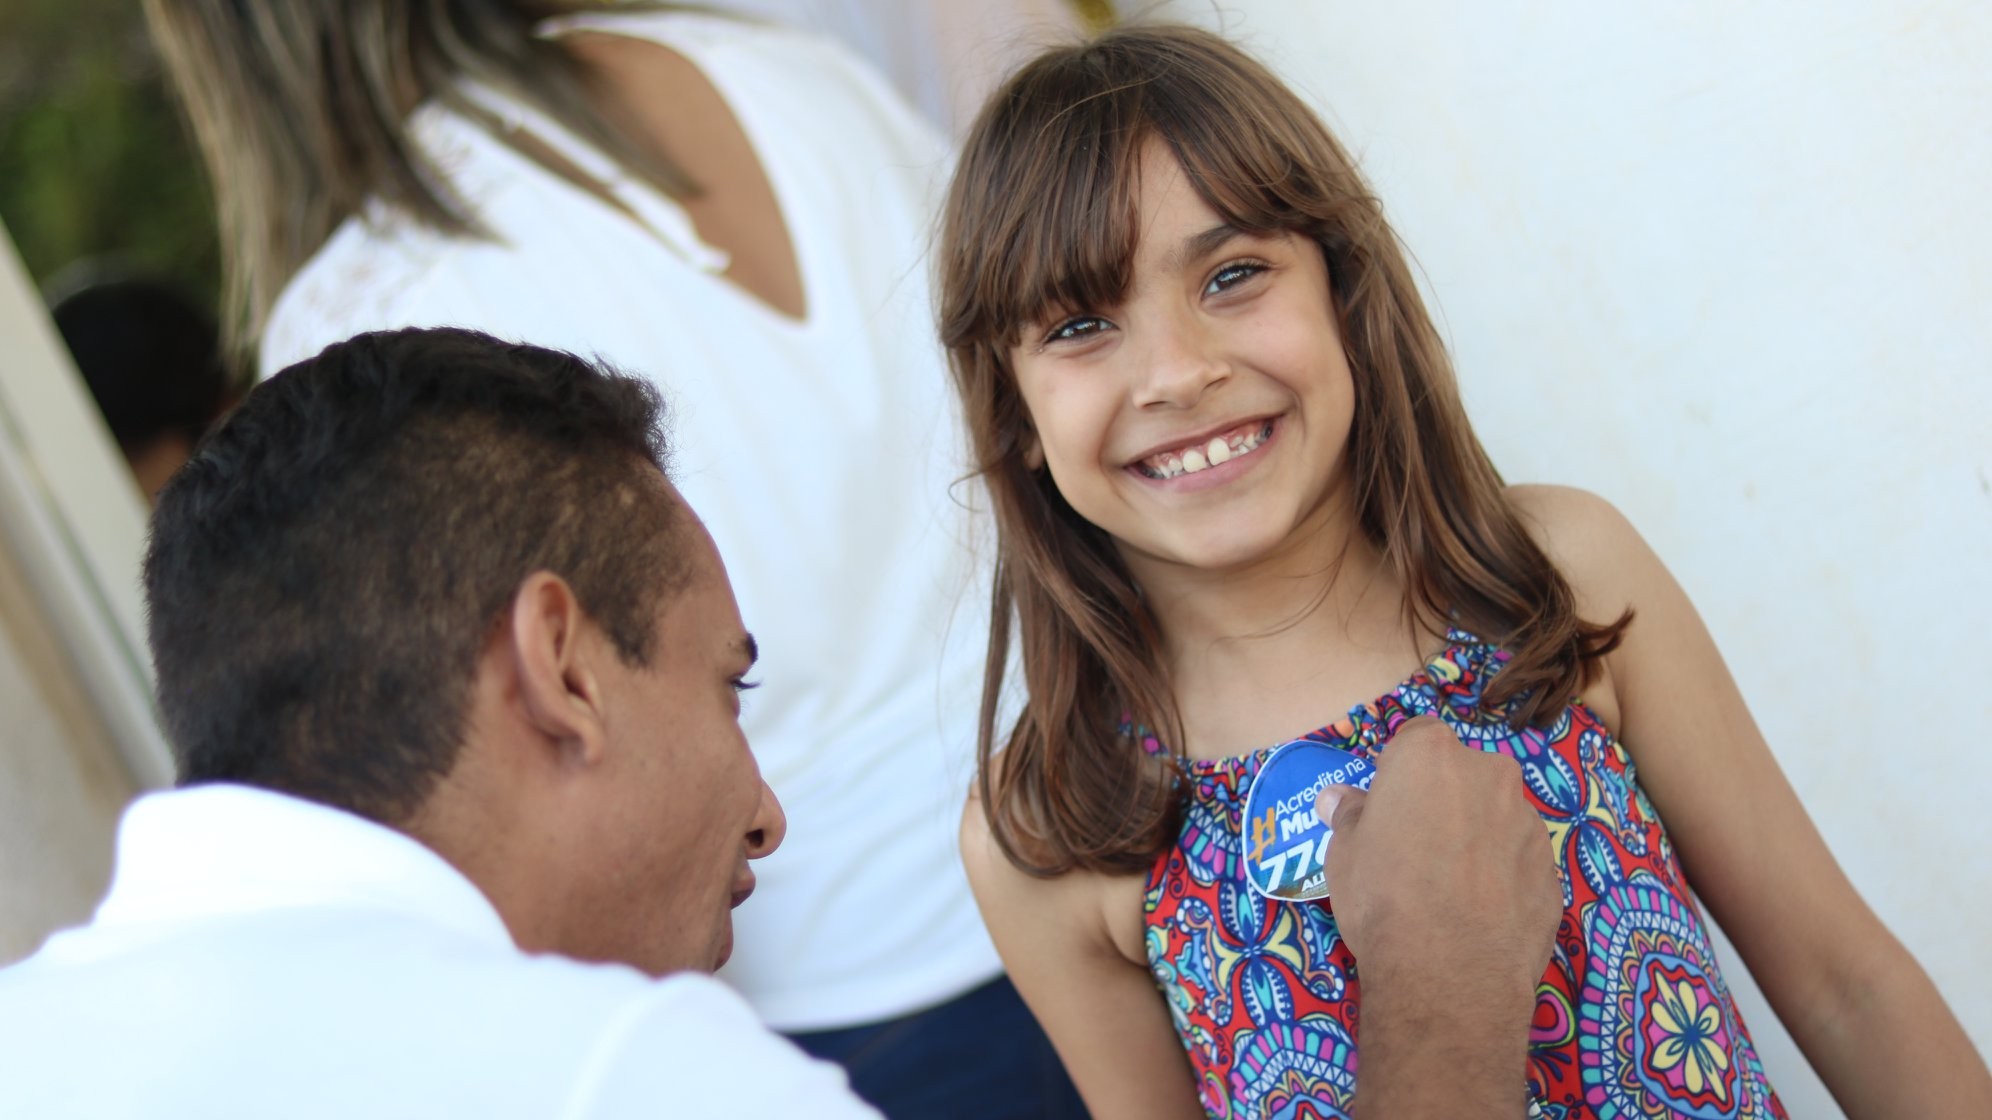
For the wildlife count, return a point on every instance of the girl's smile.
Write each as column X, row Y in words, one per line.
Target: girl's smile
column 1196, row 454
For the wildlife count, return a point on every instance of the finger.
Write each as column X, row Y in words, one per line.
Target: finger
column 1325, row 801
column 1339, row 807
column 1429, row 730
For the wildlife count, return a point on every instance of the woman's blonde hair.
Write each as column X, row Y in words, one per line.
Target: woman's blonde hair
column 300, row 108
column 1042, row 216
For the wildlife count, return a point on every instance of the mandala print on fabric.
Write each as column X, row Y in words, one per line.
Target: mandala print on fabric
column 1632, row 1019
column 1209, row 840
column 1659, row 1036
column 1284, row 1065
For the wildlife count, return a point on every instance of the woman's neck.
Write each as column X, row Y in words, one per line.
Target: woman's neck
column 1287, row 643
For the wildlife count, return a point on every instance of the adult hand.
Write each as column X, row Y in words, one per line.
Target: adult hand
column 1445, row 889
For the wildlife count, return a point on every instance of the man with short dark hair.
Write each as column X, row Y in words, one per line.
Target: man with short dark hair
column 450, row 672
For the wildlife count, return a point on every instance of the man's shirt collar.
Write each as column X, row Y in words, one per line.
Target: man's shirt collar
column 212, row 851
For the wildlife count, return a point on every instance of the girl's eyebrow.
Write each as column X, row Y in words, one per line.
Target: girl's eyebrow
column 1199, row 246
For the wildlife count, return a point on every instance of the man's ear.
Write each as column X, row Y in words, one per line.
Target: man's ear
column 556, row 651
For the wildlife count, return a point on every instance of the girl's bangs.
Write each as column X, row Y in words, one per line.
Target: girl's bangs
column 1064, row 239
column 1071, row 237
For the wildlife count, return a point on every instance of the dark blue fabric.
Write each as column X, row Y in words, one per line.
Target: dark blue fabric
column 977, row 1057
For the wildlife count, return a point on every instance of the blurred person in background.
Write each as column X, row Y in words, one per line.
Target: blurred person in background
column 152, row 359
column 944, row 56
column 742, row 210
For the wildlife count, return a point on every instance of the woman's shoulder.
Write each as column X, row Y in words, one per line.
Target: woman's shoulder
column 702, row 25
column 718, row 40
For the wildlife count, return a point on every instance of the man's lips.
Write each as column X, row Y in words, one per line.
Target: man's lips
column 740, row 893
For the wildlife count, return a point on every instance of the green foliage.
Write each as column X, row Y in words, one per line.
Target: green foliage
column 95, row 162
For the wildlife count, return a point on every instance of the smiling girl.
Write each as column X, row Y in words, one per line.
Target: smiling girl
column 1239, row 503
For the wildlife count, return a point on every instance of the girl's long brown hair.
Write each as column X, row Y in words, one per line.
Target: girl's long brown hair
column 1042, row 216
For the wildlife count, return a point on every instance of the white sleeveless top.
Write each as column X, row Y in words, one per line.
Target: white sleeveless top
column 822, row 454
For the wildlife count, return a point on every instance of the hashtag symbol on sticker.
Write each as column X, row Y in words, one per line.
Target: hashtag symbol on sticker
column 1262, row 834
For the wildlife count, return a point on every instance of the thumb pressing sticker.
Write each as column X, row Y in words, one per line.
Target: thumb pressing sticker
column 1285, row 844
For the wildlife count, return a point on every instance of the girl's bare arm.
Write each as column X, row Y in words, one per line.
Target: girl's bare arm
column 1866, row 1015
column 1072, row 946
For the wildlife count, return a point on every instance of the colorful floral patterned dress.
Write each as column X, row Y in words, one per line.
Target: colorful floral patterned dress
column 1632, row 1018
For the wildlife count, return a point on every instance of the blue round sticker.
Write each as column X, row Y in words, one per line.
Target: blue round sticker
column 1285, row 844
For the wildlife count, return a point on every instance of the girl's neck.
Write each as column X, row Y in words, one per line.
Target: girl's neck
column 1273, row 649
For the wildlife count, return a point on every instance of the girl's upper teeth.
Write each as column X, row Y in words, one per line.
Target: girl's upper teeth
column 1219, row 450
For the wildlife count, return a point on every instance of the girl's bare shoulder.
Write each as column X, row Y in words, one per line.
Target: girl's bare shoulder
column 1583, row 533
column 1084, row 909
column 1607, row 563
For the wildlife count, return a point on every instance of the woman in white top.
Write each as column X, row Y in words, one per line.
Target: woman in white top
column 739, row 212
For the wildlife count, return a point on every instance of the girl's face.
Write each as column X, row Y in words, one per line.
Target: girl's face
column 1203, row 421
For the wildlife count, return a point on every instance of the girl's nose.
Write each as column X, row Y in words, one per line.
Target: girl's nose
column 1181, row 364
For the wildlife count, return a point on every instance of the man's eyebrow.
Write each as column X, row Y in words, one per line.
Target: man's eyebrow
column 1201, row 245
column 751, row 648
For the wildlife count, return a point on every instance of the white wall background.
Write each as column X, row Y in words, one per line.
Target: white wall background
column 1730, row 265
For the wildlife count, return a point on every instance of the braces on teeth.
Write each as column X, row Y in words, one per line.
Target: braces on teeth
column 1219, row 450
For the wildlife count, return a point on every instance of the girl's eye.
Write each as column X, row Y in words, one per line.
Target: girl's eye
column 1231, row 275
column 742, row 684
column 1075, row 329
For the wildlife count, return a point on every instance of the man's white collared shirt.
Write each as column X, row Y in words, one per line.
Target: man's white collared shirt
column 263, row 956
